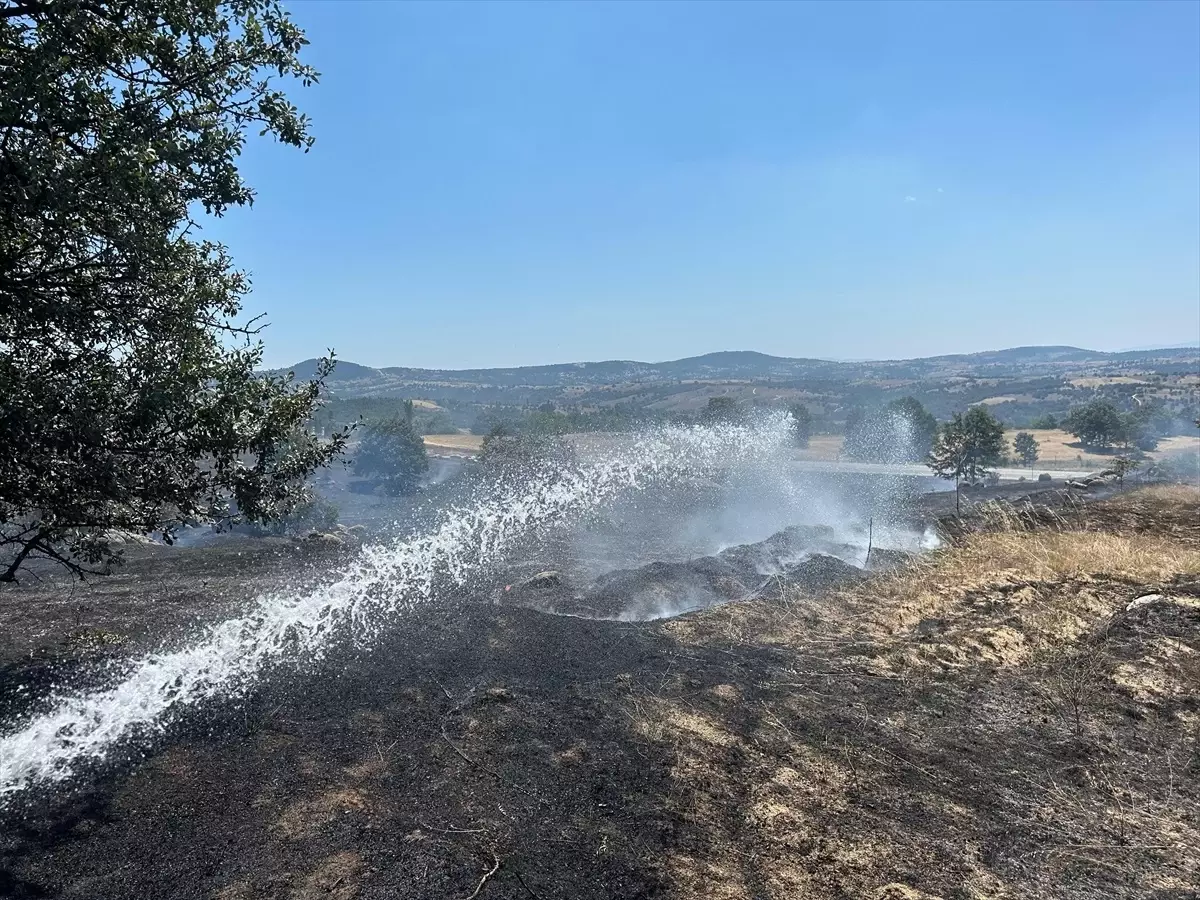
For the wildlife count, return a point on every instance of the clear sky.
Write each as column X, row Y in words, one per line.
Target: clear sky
column 511, row 183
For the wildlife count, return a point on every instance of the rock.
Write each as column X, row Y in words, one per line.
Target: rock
column 883, row 559
column 549, row 579
column 324, row 539
column 349, row 532
column 1144, row 600
column 1078, row 485
column 1045, row 476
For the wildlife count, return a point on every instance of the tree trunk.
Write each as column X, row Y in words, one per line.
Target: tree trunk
column 10, row 574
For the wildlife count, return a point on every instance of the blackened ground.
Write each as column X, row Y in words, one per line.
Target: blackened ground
column 805, row 745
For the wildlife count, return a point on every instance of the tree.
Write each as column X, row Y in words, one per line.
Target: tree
column 1097, row 424
column 1026, row 448
column 949, row 454
column 913, row 426
column 393, row 455
column 311, row 514
column 903, row 431
column 1044, row 423
column 802, row 421
column 720, row 409
column 1138, row 430
column 128, row 375
column 1123, row 465
column 968, row 446
column 507, row 454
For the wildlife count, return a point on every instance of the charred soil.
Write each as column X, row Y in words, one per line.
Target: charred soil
column 1008, row 717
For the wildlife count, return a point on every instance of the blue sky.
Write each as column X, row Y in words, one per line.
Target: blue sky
column 510, row 184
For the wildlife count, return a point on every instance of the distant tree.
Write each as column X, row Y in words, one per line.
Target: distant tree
column 801, row 424
column 313, row 513
column 129, row 393
column 915, row 438
column 488, row 420
column 1026, row 448
column 1044, row 423
column 902, row 431
column 1123, row 465
column 968, row 446
column 393, row 455
column 1140, row 429
column 1098, row 424
column 720, row 409
column 506, row 453
column 948, row 457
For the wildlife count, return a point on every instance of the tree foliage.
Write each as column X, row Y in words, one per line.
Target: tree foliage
column 506, row 453
column 1026, row 447
column 127, row 372
column 393, row 455
column 968, row 446
column 720, row 409
column 802, row 424
column 1097, row 424
column 1123, row 465
column 903, row 431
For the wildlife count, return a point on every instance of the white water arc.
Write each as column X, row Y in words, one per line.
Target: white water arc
column 75, row 730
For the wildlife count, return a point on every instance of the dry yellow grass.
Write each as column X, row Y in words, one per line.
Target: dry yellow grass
column 1046, row 555
column 462, row 443
column 1055, row 449
column 985, row 689
column 1095, row 381
column 824, row 446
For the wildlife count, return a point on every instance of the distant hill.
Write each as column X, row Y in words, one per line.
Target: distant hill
column 737, row 365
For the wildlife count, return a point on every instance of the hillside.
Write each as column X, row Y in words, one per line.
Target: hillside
column 1020, row 384
column 732, row 365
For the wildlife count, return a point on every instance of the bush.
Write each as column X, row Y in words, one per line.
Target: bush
column 392, row 455
column 1045, row 476
column 312, row 514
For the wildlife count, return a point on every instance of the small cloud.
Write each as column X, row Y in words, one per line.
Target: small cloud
column 940, row 191
column 910, row 199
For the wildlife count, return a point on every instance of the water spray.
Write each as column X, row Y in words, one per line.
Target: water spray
column 75, row 731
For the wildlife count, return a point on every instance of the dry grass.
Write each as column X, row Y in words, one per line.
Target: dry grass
column 1041, row 556
column 824, row 447
column 462, row 443
column 993, row 721
column 1055, row 449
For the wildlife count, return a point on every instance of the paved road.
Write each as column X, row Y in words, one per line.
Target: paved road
column 915, row 470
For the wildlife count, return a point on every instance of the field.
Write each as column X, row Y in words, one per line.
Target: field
column 1012, row 716
column 1055, row 452
column 453, row 444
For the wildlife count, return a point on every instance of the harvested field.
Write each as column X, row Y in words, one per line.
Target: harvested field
column 1013, row 716
column 466, row 444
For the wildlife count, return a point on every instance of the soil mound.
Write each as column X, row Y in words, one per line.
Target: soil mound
column 803, row 557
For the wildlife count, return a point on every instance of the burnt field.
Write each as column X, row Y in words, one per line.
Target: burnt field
column 1012, row 715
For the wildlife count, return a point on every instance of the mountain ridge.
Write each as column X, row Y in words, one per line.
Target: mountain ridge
column 745, row 364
